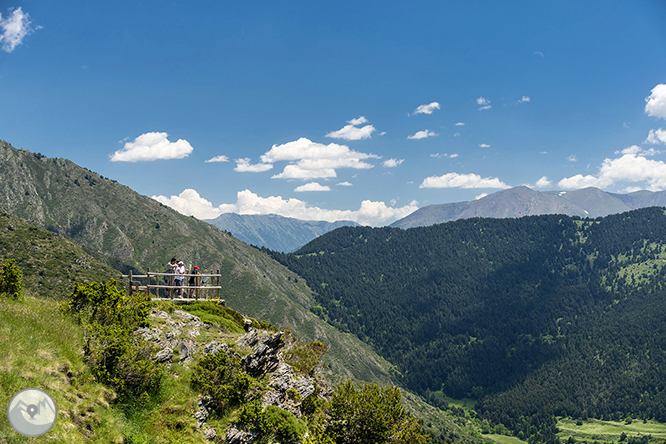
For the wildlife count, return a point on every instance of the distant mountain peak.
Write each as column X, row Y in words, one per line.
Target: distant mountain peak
column 523, row 201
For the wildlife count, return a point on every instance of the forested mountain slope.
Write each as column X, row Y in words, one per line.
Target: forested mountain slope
column 533, row 316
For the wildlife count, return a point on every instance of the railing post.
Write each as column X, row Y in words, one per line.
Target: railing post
column 148, row 283
column 130, row 282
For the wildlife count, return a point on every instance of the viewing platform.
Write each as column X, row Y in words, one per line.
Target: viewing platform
column 207, row 286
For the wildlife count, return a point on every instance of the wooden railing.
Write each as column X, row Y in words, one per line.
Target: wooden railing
column 189, row 292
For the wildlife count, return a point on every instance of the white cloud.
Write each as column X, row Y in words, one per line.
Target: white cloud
column 392, row 163
column 543, row 182
column 572, row 158
column 455, row 180
column 656, row 137
column 244, row 166
column 218, row 159
column 524, row 99
column 311, row 160
column 152, row 146
column 370, row 213
column 453, row 156
column 14, row 29
column 456, row 135
column 484, row 102
column 632, row 167
column 312, row 186
column 484, row 145
column 481, row 196
column 352, row 131
column 460, row 124
column 344, row 184
column 656, row 102
column 422, row 134
column 427, row 109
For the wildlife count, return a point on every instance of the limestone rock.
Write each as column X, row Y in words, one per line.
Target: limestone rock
column 164, row 355
column 235, row 436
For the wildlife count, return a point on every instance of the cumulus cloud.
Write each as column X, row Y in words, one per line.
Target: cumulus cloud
column 311, row 160
column 484, row 145
column 572, row 158
column 485, row 103
column 218, row 159
column 632, row 166
column 455, row 180
column 440, row 155
column 152, row 146
column 392, row 163
column 543, row 182
column 422, row 134
column 427, row 109
column 352, row 131
column 190, row 203
column 244, row 166
column 481, row 196
column 453, row 156
column 656, row 137
column 524, row 99
column 656, row 103
column 14, row 29
column 345, row 184
column 312, row 186
column 460, row 124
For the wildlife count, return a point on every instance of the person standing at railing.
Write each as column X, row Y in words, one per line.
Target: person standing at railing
column 179, row 278
column 168, row 280
column 193, row 280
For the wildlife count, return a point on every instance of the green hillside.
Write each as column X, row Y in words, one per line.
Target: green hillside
column 534, row 317
column 127, row 231
column 51, row 263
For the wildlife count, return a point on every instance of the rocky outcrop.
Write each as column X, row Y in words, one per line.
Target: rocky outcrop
column 266, row 352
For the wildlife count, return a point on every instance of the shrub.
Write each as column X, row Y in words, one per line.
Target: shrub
column 117, row 356
column 371, row 414
column 271, row 422
column 220, row 376
column 11, row 282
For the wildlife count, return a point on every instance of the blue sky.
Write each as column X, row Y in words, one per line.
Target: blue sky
column 341, row 110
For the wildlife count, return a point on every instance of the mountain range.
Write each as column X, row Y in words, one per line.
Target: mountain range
column 523, row 201
column 274, row 232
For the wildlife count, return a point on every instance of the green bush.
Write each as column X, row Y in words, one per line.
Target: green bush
column 117, row 356
column 370, row 414
column 220, row 376
column 11, row 282
column 271, row 422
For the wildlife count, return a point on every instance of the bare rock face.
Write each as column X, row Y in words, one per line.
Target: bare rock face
column 289, row 390
column 266, row 357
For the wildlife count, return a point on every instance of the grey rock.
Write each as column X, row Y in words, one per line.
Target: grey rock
column 210, row 433
column 235, row 436
column 214, row 347
column 164, row 355
column 186, row 348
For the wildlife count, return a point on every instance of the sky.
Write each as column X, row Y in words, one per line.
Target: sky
column 363, row 111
